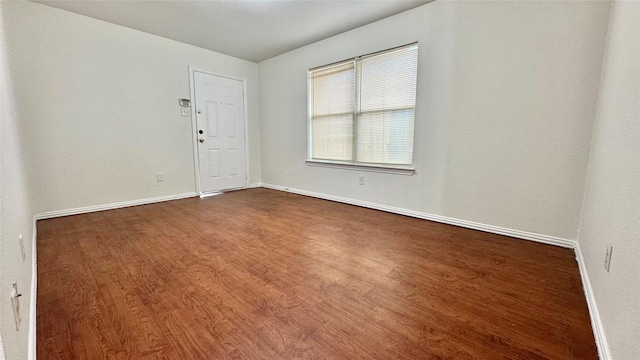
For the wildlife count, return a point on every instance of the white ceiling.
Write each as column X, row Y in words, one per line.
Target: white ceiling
column 254, row 30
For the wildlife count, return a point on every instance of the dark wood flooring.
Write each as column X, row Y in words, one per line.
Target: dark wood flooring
column 263, row 274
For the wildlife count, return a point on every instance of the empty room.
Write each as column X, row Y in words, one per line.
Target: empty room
column 289, row 179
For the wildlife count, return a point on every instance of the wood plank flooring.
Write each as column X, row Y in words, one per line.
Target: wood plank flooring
column 263, row 274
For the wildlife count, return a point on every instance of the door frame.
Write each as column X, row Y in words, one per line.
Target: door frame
column 194, row 124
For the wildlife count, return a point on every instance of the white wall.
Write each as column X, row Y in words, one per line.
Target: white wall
column 612, row 200
column 16, row 216
column 100, row 104
column 506, row 100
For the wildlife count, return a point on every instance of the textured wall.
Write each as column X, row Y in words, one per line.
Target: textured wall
column 506, row 100
column 100, row 104
column 16, row 216
column 612, row 199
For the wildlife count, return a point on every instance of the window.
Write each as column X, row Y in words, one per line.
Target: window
column 362, row 110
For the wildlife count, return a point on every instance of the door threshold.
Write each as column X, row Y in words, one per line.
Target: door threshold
column 220, row 192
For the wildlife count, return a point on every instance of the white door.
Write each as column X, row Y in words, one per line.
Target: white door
column 219, row 105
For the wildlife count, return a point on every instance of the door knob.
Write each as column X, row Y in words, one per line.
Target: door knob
column 201, row 140
column 199, row 111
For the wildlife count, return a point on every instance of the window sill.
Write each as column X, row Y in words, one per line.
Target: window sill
column 361, row 167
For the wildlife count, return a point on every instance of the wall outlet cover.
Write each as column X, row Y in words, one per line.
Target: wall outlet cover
column 160, row 177
column 185, row 111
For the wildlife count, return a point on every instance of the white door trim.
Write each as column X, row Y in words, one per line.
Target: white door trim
column 194, row 126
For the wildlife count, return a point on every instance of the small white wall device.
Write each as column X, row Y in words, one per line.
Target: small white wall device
column 185, row 107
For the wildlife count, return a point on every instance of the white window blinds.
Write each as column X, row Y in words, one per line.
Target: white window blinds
column 334, row 98
column 362, row 111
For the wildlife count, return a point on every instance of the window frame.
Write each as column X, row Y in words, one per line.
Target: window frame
column 407, row 169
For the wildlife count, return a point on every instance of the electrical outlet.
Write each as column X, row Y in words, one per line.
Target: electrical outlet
column 361, row 179
column 160, row 177
column 607, row 257
column 185, row 111
column 22, row 251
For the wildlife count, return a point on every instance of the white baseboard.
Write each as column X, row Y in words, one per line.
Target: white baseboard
column 596, row 322
column 254, row 185
column 546, row 239
column 31, row 352
column 88, row 209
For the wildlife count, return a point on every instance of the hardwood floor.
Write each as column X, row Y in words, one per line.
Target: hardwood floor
column 263, row 274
